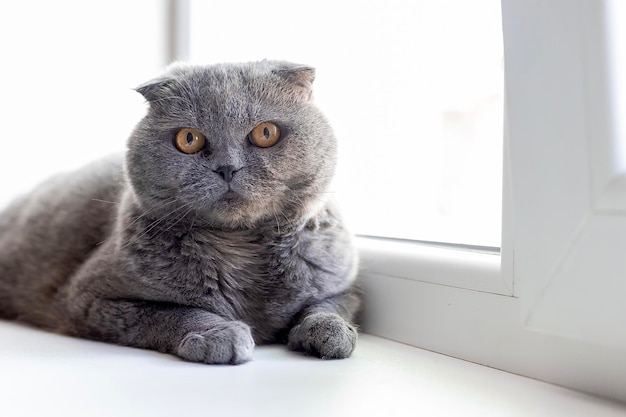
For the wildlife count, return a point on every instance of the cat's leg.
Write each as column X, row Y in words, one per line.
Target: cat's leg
column 193, row 334
column 325, row 329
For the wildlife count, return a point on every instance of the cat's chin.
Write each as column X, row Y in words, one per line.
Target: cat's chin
column 233, row 211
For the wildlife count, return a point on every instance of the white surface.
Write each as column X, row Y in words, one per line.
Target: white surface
column 569, row 241
column 51, row 375
column 487, row 329
column 437, row 264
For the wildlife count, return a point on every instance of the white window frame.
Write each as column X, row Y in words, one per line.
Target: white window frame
column 563, row 205
column 563, row 218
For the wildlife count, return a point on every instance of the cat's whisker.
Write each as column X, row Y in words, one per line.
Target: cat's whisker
column 297, row 200
column 180, row 218
column 151, row 226
column 97, row 200
column 161, row 219
column 167, row 202
column 277, row 223
column 289, row 222
column 195, row 217
column 294, row 194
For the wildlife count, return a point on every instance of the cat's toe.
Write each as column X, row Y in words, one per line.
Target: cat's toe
column 225, row 343
column 325, row 335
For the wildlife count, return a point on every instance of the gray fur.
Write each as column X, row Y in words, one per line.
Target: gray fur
column 150, row 253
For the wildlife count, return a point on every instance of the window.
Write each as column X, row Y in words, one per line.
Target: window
column 563, row 217
column 67, row 93
column 414, row 131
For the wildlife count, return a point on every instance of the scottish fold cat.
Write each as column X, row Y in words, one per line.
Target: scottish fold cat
column 214, row 233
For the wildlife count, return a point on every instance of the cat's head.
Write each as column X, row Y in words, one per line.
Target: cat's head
column 232, row 144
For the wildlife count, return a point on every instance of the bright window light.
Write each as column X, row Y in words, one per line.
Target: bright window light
column 414, row 90
column 67, row 97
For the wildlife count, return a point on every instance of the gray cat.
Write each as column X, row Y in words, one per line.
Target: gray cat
column 215, row 234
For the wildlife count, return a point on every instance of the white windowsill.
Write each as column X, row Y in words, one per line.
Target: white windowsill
column 47, row 374
column 458, row 267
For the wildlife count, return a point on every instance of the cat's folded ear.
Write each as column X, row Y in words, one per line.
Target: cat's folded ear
column 156, row 89
column 299, row 78
column 162, row 86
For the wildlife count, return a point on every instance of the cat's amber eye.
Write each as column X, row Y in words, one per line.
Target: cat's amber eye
column 264, row 135
column 189, row 140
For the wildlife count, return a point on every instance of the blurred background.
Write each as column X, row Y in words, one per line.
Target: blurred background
column 413, row 89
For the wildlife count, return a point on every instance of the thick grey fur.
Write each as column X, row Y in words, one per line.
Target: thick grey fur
column 154, row 251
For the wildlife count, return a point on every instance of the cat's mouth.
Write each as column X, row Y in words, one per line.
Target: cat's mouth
column 233, row 210
column 231, row 198
column 231, row 195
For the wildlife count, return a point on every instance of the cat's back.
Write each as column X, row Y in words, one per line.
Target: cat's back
column 48, row 233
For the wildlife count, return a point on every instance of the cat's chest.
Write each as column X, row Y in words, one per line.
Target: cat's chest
column 240, row 279
column 262, row 279
column 246, row 269
column 224, row 262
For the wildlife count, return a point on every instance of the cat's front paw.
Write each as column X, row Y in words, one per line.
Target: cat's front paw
column 225, row 343
column 325, row 335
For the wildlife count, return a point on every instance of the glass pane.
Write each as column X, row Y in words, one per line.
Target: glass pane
column 616, row 36
column 414, row 91
column 67, row 95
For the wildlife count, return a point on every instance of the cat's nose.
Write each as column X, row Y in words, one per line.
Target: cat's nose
column 226, row 172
